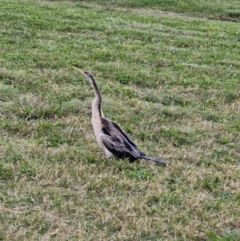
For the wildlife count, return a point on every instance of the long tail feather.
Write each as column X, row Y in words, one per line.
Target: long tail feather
column 155, row 160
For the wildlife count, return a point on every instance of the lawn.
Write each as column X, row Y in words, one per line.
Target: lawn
column 169, row 76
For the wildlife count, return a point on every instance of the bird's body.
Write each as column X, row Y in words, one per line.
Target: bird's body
column 110, row 136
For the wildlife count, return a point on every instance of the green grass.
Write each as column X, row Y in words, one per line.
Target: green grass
column 215, row 9
column 170, row 80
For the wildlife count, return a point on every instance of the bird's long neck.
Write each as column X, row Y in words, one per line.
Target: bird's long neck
column 97, row 102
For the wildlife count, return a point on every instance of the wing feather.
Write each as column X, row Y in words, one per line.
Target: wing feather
column 113, row 126
column 118, row 142
column 118, row 147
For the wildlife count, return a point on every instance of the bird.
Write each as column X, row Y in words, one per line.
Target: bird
column 113, row 140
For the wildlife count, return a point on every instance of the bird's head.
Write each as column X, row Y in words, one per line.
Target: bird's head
column 88, row 75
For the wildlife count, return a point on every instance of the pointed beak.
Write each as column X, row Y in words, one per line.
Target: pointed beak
column 79, row 70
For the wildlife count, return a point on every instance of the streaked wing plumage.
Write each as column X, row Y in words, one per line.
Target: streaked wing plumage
column 118, row 142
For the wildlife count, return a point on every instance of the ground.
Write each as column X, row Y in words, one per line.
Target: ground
column 169, row 76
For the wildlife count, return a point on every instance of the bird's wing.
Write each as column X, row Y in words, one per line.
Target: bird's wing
column 119, row 146
column 117, row 141
column 113, row 127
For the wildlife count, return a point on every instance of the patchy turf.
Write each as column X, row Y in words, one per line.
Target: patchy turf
column 170, row 80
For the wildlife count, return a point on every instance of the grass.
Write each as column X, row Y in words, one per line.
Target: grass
column 216, row 9
column 173, row 80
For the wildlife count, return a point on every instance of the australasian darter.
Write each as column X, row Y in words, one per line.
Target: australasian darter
column 110, row 136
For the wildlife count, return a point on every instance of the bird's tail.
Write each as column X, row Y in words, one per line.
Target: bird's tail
column 157, row 161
